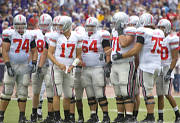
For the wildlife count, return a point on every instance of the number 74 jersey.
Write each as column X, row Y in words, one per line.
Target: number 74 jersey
column 20, row 45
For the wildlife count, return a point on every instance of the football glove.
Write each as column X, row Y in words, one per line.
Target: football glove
column 9, row 69
column 117, row 56
column 167, row 77
column 107, row 69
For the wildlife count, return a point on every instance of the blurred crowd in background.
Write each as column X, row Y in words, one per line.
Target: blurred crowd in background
column 80, row 10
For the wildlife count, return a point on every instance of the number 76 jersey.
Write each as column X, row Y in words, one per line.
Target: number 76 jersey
column 20, row 45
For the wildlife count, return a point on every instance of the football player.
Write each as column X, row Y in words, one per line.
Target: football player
column 169, row 58
column 17, row 43
column 134, row 21
column 148, row 46
column 65, row 52
column 123, row 69
column 43, row 70
column 95, row 42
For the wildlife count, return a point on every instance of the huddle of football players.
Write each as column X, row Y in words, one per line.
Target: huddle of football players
column 136, row 53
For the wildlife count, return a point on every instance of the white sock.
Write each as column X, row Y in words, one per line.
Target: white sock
column 130, row 113
column 160, row 111
column 175, row 108
column 93, row 112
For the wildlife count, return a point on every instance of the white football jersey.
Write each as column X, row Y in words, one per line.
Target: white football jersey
column 65, row 52
column 92, row 48
column 171, row 42
column 150, row 58
column 40, row 43
column 116, row 47
column 20, row 45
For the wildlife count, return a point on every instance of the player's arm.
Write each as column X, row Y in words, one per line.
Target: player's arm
column 174, row 54
column 34, row 52
column 126, row 40
column 136, row 49
column 51, row 51
column 107, row 49
column 43, row 56
column 5, row 49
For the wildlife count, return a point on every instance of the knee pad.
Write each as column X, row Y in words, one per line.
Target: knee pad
column 128, row 99
column 50, row 100
column 22, row 100
column 92, row 101
column 103, row 101
column 5, row 99
column 119, row 100
column 147, row 98
column 73, row 100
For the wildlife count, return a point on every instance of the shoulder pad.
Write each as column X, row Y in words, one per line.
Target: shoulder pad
column 105, row 34
column 130, row 31
column 140, row 31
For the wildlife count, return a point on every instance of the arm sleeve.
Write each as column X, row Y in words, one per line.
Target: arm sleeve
column 174, row 42
column 6, row 40
column 130, row 31
column 105, row 43
column 46, row 45
column 140, row 39
column 33, row 44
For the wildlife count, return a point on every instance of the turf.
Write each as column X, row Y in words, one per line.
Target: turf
column 12, row 113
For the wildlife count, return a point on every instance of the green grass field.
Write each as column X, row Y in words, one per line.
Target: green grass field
column 12, row 113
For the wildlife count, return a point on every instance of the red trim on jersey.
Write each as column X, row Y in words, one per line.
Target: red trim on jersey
column 6, row 35
column 140, row 33
column 131, row 33
column 173, row 43
column 178, row 48
column 107, row 37
column 52, row 40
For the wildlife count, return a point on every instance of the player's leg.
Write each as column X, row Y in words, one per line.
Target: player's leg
column 58, row 80
column 136, row 95
column 36, row 86
column 99, row 90
column 79, row 94
column 119, row 98
column 147, row 80
column 160, row 94
column 172, row 101
column 68, row 94
column 87, row 84
column 72, row 108
column 39, row 109
column 6, row 94
column 49, row 94
column 22, row 89
column 126, row 73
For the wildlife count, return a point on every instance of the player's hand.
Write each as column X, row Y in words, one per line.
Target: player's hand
column 167, row 77
column 70, row 68
column 39, row 71
column 117, row 56
column 62, row 67
column 10, row 71
column 33, row 70
column 107, row 69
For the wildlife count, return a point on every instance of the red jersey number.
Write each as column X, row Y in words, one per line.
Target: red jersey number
column 63, row 46
column 25, row 45
column 92, row 46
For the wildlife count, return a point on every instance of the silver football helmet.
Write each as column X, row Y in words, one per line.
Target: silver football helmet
column 64, row 24
column 146, row 19
column 20, row 24
column 91, row 25
column 166, row 24
column 55, row 22
column 120, row 19
column 134, row 20
column 45, row 22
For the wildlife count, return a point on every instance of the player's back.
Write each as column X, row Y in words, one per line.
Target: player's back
column 150, row 58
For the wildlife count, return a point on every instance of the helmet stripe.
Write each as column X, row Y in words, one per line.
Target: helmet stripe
column 43, row 19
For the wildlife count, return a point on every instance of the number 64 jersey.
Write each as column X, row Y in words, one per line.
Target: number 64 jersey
column 92, row 48
column 150, row 55
column 20, row 45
